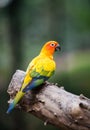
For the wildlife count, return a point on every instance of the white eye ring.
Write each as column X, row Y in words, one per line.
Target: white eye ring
column 52, row 44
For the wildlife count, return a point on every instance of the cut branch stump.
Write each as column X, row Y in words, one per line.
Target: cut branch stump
column 53, row 104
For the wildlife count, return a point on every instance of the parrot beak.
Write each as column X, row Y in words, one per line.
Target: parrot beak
column 58, row 48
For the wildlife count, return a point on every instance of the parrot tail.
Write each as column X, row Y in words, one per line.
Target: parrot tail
column 19, row 95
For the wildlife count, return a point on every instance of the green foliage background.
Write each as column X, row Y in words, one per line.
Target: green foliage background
column 24, row 27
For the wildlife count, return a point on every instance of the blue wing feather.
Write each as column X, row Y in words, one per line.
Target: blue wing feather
column 36, row 81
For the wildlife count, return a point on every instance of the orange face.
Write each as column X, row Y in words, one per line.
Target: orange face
column 50, row 47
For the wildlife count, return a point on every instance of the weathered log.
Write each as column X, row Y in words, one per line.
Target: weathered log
column 53, row 104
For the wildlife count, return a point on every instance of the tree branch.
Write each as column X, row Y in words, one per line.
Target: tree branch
column 53, row 105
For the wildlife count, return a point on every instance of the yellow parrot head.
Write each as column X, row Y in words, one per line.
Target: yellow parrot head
column 50, row 47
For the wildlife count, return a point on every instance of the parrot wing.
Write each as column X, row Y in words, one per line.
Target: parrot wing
column 37, row 73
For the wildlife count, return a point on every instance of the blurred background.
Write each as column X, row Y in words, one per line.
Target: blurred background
column 25, row 25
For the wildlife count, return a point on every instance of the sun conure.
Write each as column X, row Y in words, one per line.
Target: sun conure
column 40, row 69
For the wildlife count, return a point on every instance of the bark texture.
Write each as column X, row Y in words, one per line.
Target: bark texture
column 52, row 104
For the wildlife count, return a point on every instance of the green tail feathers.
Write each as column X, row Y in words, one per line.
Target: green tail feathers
column 19, row 95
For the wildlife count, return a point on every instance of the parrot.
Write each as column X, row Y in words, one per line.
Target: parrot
column 39, row 70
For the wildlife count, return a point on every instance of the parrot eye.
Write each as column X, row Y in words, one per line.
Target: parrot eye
column 52, row 44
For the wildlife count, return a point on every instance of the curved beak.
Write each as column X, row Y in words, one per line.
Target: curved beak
column 58, row 48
